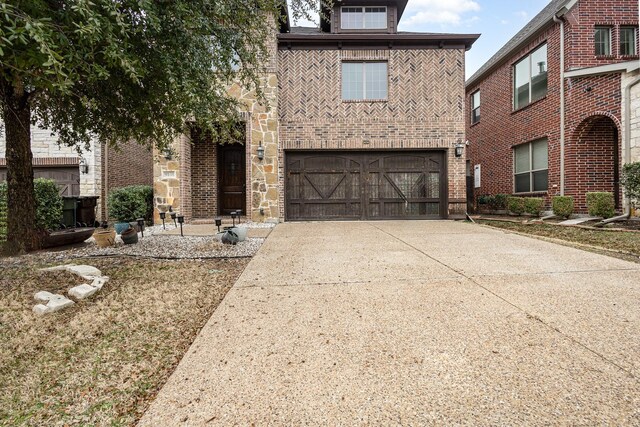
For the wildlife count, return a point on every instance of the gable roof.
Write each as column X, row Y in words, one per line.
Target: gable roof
column 538, row 23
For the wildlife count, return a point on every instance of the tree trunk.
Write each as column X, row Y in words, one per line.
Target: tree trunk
column 21, row 227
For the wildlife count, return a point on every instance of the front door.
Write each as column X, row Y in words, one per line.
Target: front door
column 232, row 178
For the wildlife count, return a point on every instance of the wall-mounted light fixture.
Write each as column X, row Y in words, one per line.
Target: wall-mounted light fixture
column 167, row 153
column 84, row 167
column 260, row 152
column 459, row 149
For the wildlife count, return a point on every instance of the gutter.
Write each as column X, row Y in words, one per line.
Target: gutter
column 562, row 103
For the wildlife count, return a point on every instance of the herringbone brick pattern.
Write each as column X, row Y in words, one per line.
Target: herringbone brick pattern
column 424, row 109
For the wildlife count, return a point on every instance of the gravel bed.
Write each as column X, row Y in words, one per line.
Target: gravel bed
column 151, row 246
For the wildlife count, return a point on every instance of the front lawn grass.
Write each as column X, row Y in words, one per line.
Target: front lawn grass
column 103, row 360
column 625, row 241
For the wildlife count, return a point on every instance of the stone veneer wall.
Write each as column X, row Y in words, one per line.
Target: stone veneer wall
column 628, row 78
column 174, row 179
column 424, row 109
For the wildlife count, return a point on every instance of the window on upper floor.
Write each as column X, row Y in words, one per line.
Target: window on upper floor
column 628, row 41
column 603, row 41
column 475, row 107
column 531, row 170
column 530, row 78
column 364, row 81
column 359, row 18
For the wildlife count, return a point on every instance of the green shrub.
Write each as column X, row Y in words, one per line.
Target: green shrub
column 562, row 206
column 3, row 212
column 48, row 204
column 501, row 201
column 516, row 205
column 483, row 199
column 631, row 181
column 601, row 204
column 130, row 203
column 533, row 205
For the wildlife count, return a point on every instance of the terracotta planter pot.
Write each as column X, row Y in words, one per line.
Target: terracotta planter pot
column 105, row 238
column 129, row 236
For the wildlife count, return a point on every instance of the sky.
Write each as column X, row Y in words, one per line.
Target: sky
column 496, row 20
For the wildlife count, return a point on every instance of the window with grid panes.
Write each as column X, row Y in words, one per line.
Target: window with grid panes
column 530, row 78
column 361, row 17
column 364, row 81
column 531, row 169
column 475, row 107
column 628, row 41
column 603, row 41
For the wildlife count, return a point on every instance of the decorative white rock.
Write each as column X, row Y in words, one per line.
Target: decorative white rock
column 85, row 271
column 79, row 292
column 98, row 282
column 83, row 291
column 54, row 302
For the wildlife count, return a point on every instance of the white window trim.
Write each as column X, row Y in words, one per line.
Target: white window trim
column 513, row 84
column 362, row 9
column 603, row 27
column 531, row 171
column 364, row 81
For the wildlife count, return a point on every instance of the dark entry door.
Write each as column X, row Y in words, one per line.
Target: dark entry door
column 232, row 178
column 365, row 185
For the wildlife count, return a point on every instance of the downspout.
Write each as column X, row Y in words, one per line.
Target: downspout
column 627, row 130
column 562, row 103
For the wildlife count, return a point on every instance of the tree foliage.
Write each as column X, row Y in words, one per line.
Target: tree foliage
column 123, row 70
column 631, row 181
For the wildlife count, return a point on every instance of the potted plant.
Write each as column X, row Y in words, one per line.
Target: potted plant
column 129, row 236
column 128, row 204
column 104, row 237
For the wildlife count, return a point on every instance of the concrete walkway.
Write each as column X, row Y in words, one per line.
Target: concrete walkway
column 413, row 323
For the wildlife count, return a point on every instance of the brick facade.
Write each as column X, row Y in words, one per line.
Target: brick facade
column 593, row 118
column 424, row 109
column 304, row 110
column 128, row 164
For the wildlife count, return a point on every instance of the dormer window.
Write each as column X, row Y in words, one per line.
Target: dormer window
column 363, row 18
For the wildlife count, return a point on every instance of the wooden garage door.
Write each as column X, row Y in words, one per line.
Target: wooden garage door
column 67, row 178
column 365, row 185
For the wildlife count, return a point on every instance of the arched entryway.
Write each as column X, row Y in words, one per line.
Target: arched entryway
column 593, row 160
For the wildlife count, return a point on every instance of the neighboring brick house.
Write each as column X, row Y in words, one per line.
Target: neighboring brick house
column 363, row 123
column 542, row 134
column 92, row 172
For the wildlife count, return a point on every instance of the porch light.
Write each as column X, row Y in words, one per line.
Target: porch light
column 163, row 215
column 84, row 167
column 181, row 221
column 141, row 225
column 218, row 223
column 260, row 152
column 459, row 149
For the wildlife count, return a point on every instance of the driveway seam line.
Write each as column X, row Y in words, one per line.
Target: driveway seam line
column 529, row 315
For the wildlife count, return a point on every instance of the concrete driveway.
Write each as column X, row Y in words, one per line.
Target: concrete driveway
column 413, row 323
